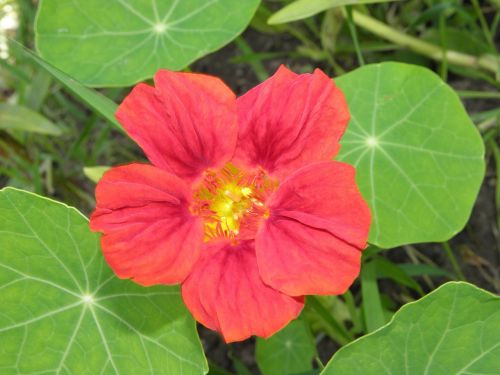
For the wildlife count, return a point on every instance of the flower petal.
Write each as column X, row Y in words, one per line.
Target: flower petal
column 149, row 233
column 289, row 121
column 186, row 124
column 318, row 224
column 225, row 293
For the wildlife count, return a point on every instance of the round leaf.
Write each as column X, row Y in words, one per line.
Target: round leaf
column 453, row 330
column 121, row 42
column 63, row 311
column 419, row 157
column 290, row 351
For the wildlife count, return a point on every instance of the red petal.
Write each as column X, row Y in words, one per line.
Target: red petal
column 318, row 224
column 289, row 121
column 225, row 293
column 149, row 233
column 185, row 125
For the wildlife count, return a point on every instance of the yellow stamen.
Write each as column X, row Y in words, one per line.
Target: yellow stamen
column 231, row 202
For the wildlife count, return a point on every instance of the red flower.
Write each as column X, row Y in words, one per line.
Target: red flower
column 241, row 204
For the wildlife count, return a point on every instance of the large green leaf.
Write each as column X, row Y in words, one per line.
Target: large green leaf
column 16, row 117
column 121, row 42
column 290, row 351
column 418, row 155
column 301, row 9
column 453, row 330
column 63, row 311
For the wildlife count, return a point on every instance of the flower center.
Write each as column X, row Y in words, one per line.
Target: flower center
column 232, row 202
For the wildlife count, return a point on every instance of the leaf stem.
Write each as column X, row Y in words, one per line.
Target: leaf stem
column 453, row 261
column 496, row 155
column 478, row 94
column 320, row 364
column 487, row 62
column 354, row 35
column 351, row 306
column 484, row 25
column 442, row 36
column 256, row 65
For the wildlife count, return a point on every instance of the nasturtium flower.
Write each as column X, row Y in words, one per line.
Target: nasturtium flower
column 241, row 204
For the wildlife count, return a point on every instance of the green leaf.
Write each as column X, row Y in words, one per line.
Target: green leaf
column 372, row 304
column 459, row 40
column 101, row 104
column 453, row 330
column 216, row 370
column 38, row 90
column 424, row 269
column 239, row 366
column 126, row 41
column 336, row 309
column 95, row 173
column 387, row 269
column 64, row 311
column 290, row 351
column 301, row 9
column 16, row 117
column 419, row 157
column 336, row 328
